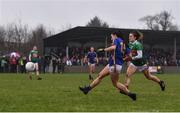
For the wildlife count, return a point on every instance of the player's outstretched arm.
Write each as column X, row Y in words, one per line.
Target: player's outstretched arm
column 111, row 48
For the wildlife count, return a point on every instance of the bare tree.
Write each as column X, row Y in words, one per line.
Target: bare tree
column 161, row 21
column 165, row 20
column 18, row 37
column 21, row 32
column 97, row 22
column 151, row 22
column 10, row 38
column 2, row 39
column 37, row 36
column 64, row 28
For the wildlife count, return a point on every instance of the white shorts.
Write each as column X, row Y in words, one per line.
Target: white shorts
column 90, row 64
column 118, row 68
column 139, row 68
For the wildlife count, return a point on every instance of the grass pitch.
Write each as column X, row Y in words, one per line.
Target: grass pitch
column 60, row 93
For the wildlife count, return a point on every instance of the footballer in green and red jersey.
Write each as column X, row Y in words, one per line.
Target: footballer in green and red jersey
column 138, row 62
column 34, row 57
column 137, row 53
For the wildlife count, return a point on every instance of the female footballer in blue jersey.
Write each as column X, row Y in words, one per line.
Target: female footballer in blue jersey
column 92, row 60
column 113, row 68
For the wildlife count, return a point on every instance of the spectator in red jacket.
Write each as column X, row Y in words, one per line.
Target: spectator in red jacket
column 13, row 64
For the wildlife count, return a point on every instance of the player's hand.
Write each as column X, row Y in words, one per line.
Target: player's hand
column 127, row 58
column 100, row 50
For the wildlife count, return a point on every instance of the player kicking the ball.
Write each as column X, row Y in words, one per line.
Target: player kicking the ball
column 113, row 68
column 137, row 60
column 34, row 57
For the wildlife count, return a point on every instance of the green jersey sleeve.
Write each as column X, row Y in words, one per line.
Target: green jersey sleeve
column 138, row 46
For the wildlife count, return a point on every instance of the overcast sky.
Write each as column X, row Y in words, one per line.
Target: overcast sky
column 59, row 14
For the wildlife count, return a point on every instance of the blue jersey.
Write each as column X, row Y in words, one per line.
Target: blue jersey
column 91, row 57
column 128, row 50
column 116, row 56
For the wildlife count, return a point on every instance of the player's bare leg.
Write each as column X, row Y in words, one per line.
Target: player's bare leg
column 93, row 68
column 100, row 76
column 149, row 76
column 37, row 71
column 94, row 83
column 90, row 72
column 130, row 71
column 121, row 87
column 30, row 75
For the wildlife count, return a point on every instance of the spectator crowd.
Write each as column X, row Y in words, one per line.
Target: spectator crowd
column 58, row 61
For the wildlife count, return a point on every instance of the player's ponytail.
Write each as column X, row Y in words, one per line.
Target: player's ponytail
column 139, row 36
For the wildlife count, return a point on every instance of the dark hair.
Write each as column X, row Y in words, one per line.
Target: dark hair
column 137, row 34
column 118, row 34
